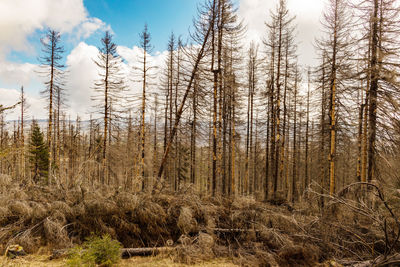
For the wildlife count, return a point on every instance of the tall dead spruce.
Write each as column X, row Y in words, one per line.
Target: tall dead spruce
column 107, row 92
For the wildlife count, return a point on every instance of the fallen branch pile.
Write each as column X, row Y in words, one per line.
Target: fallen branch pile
column 202, row 228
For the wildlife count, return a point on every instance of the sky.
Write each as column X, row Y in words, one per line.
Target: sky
column 82, row 23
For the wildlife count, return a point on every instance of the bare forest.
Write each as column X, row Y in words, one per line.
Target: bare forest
column 232, row 149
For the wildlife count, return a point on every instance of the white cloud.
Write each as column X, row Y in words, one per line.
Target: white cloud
column 8, row 96
column 89, row 26
column 133, row 57
column 21, row 18
column 81, row 76
column 254, row 13
column 82, row 73
column 11, row 73
column 36, row 104
column 308, row 14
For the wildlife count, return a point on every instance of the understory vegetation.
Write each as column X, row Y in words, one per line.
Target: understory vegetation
column 94, row 251
column 202, row 228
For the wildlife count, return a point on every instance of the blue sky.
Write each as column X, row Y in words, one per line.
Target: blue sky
column 83, row 22
column 26, row 21
column 126, row 19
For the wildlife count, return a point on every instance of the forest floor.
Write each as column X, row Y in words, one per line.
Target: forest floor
column 203, row 230
column 43, row 260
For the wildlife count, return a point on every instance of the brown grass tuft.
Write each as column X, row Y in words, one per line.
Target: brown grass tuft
column 186, row 222
column 251, row 232
column 20, row 209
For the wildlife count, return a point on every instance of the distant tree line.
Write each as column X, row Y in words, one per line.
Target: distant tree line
column 227, row 117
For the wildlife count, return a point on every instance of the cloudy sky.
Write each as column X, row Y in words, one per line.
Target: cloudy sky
column 83, row 22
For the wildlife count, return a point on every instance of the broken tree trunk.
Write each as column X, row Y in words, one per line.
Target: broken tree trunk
column 131, row 252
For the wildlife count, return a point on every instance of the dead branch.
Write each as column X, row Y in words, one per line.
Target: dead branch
column 379, row 261
column 382, row 198
column 10, row 107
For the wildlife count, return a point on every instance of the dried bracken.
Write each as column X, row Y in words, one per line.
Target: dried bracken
column 252, row 233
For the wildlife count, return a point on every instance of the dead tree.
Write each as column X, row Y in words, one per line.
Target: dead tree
column 52, row 70
column 107, row 89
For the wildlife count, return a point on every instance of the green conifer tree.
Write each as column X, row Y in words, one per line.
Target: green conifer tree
column 38, row 153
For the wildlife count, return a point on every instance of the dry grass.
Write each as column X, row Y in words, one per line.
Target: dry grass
column 31, row 261
column 262, row 234
column 42, row 260
column 168, row 262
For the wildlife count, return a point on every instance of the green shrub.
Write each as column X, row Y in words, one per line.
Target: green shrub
column 102, row 251
column 77, row 258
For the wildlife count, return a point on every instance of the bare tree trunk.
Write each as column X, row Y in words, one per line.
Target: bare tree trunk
column 177, row 163
column 50, row 122
column 282, row 157
column 255, row 157
column 225, row 182
column 143, row 126
column 22, row 136
column 306, row 171
column 360, row 132
column 267, row 157
column 322, row 122
column 105, row 134
column 364, row 156
column 155, row 141
column 193, row 136
column 233, row 145
column 278, row 109
column 215, row 95
column 294, row 157
column 170, row 92
column 246, row 177
column 272, row 112
column 373, row 94
column 251, row 95
column 332, row 110
column 57, row 144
